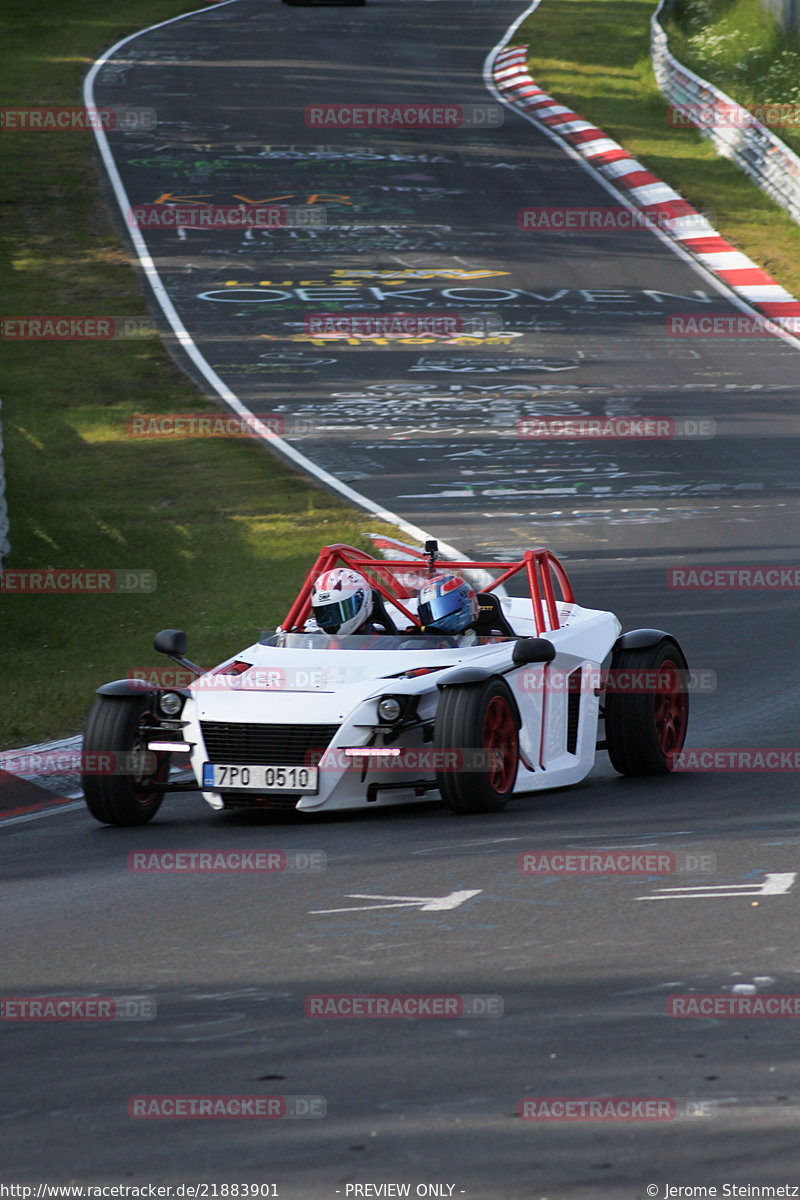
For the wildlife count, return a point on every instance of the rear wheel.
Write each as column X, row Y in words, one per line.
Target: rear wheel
column 114, row 729
column 480, row 720
column 644, row 727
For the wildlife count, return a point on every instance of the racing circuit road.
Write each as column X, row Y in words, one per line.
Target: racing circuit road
column 584, row 966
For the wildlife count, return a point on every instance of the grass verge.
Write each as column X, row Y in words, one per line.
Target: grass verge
column 740, row 47
column 595, row 56
column 228, row 530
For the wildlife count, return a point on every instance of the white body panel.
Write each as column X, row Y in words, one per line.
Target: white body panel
column 292, row 687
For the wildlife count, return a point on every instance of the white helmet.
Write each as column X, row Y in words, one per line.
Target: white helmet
column 341, row 601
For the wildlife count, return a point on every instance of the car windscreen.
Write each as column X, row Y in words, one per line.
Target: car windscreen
column 360, row 641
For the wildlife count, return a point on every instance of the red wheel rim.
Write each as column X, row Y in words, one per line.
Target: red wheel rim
column 671, row 708
column 500, row 735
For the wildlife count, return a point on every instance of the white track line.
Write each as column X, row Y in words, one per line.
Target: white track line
column 185, row 339
column 55, row 811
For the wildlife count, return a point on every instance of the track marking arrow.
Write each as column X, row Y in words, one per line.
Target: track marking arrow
column 423, row 903
column 773, row 885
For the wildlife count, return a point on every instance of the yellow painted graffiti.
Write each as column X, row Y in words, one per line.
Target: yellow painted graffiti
column 461, row 339
column 311, row 198
column 403, row 274
column 345, row 279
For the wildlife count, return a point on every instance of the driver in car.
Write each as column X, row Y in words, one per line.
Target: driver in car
column 341, row 603
column 447, row 604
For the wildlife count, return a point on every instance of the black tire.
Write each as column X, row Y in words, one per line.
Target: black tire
column 643, row 728
column 114, row 727
column 478, row 717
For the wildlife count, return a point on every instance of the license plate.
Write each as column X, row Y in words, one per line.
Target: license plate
column 260, row 778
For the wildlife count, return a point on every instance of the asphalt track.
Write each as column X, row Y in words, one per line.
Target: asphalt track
column 584, row 966
column 431, row 429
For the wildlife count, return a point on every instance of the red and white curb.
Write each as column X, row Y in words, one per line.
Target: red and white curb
column 661, row 203
column 46, row 781
column 28, row 794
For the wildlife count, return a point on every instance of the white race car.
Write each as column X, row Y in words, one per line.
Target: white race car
column 302, row 719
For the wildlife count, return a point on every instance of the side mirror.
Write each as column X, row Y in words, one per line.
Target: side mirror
column 171, row 642
column 532, row 650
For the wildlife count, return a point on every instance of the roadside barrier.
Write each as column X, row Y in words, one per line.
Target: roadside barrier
column 734, row 131
column 668, row 214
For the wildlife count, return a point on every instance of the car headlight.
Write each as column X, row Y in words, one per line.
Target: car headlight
column 171, row 704
column 390, row 710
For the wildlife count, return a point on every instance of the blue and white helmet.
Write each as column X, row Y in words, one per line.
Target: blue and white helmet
column 341, row 601
column 447, row 604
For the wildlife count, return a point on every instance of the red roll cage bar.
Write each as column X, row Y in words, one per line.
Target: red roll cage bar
column 399, row 579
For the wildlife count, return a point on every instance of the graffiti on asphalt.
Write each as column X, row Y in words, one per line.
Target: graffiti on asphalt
column 474, row 364
column 337, row 240
column 313, row 293
column 401, row 274
column 347, row 277
column 272, row 368
column 397, row 341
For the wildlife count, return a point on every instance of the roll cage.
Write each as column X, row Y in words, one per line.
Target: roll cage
column 399, row 579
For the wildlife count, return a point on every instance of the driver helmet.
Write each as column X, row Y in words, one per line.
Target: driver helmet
column 341, row 601
column 447, row 604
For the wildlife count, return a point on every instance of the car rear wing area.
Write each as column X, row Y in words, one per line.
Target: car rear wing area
column 399, row 580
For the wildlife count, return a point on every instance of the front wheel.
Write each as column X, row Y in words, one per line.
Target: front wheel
column 477, row 729
column 114, row 793
column 647, row 708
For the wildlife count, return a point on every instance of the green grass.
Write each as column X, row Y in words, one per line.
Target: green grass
column 740, row 47
column 228, row 529
column 594, row 55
